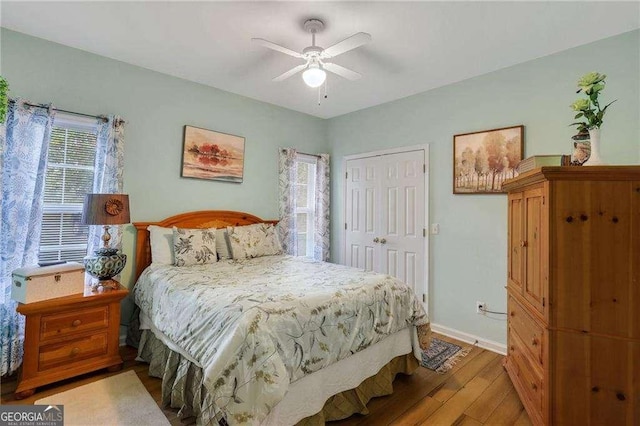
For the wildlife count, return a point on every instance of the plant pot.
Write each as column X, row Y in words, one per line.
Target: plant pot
column 594, row 158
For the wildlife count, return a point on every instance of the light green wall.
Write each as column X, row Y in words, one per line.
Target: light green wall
column 468, row 257
column 156, row 107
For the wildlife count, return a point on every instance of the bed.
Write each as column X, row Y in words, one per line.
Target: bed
column 271, row 340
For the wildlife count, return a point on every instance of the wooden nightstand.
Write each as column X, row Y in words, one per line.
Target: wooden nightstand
column 69, row 336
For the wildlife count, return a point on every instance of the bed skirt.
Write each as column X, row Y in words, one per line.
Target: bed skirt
column 182, row 385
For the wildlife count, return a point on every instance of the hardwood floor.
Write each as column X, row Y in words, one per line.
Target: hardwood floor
column 477, row 391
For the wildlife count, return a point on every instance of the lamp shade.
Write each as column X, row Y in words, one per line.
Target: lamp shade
column 105, row 209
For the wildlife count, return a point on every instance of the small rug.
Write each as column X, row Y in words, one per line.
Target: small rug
column 442, row 356
column 117, row 400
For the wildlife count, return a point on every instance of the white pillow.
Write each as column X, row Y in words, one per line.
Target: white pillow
column 161, row 245
column 255, row 240
column 194, row 246
column 222, row 244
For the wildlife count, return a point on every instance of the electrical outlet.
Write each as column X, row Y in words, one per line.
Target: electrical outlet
column 480, row 308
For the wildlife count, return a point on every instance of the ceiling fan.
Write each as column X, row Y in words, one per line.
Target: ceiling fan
column 315, row 56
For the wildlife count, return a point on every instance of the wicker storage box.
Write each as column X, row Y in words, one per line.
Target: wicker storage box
column 34, row 283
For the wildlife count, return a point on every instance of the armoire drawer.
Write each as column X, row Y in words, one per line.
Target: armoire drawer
column 531, row 334
column 529, row 377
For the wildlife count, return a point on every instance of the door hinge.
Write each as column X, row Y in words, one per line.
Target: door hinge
column 346, row 175
column 543, row 302
column 424, row 232
column 424, row 298
column 424, row 168
column 345, row 225
column 543, row 200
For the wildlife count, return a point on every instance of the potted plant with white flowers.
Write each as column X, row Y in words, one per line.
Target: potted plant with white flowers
column 589, row 110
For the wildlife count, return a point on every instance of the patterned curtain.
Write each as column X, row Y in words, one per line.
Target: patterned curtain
column 107, row 179
column 322, row 232
column 25, row 144
column 288, row 169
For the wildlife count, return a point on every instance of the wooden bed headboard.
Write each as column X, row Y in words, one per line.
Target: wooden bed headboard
column 199, row 219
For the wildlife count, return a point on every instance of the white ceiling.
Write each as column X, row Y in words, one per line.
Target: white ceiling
column 416, row 46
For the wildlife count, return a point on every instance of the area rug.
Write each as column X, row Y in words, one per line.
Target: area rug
column 442, row 356
column 120, row 400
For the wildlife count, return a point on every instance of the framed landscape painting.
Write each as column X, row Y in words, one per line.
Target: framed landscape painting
column 483, row 160
column 212, row 155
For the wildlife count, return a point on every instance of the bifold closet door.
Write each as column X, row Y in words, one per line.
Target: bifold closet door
column 362, row 214
column 402, row 213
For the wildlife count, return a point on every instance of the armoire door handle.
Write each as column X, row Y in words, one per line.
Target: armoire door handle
column 376, row 240
column 383, row 241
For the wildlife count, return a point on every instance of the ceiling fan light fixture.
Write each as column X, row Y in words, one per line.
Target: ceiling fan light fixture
column 314, row 69
column 314, row 76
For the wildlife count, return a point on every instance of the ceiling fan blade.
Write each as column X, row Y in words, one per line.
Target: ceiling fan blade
column 341, row 71
column 277, row 47
column 291, row 72
column 347, row 44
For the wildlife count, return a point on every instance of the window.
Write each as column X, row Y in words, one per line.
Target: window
column 305, row 203
column 68, row 178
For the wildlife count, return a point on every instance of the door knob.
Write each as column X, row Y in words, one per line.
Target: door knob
column 376, row 240
column 383, row 241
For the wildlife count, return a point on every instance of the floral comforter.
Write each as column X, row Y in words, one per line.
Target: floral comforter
column 259, row 324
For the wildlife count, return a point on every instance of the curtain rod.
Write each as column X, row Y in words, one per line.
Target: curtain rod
column 310, row 155
column 63, row 110
column 304, row 153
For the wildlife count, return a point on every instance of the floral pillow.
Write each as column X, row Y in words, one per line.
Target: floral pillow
column 253, row 240
column 194, row 246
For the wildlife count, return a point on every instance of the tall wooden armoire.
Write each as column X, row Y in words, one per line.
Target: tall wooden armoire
column 573, row 294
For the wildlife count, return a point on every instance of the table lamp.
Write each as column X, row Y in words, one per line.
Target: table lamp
column 105, row 210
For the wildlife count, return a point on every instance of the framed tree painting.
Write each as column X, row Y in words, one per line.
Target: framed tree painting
column 483, row 160
column 212, row 155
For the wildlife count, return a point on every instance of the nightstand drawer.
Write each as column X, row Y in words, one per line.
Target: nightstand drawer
column 531, row 334
column 57, row 354
column 70, row 323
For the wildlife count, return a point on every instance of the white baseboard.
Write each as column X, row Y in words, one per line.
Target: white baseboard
column 470, row 338
column 123, row 339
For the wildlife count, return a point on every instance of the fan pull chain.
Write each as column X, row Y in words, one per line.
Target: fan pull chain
column 320, row 97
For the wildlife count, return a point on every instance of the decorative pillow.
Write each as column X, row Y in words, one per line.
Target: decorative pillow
column 253, row 240
column 161, row 244
column 194, row 246
column 222, row 244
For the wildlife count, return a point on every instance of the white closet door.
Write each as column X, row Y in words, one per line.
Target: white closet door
column 402, row 215
column 385, row 216
column 361, row 214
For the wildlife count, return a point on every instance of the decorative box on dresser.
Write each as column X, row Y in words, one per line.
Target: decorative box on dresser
column 573, row 293
column 68, row 336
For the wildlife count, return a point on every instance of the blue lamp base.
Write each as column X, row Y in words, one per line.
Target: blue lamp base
column 104, row 265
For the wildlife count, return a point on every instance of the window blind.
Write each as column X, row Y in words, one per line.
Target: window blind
column 68, row 178
column 305, row 204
